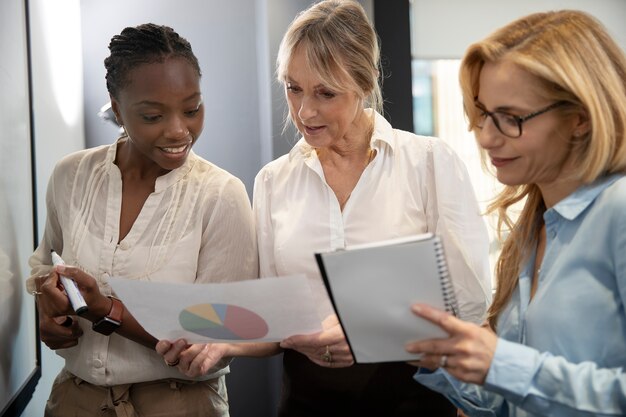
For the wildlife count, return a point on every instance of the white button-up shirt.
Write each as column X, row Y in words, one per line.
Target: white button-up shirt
column 414, row 185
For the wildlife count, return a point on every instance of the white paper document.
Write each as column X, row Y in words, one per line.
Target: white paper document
column 258, row 310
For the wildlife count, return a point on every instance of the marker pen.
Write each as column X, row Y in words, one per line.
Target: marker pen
column 76, row 298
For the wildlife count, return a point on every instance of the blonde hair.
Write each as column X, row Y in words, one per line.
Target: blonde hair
column 340, row 45
column 577, row 62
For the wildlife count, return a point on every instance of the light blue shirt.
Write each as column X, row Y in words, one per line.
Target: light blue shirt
column 564, row 353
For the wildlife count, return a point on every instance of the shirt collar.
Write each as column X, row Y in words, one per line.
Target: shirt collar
column 164, row 181
column 383, row 132
column 574, row 204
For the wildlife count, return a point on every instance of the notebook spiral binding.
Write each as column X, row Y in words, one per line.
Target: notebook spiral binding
column 447, row 289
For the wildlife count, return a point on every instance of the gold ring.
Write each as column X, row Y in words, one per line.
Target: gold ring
column 176, row 362
column 327, row 356
column 443, row 361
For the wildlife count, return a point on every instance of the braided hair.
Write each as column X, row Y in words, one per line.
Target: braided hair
column 143, row 44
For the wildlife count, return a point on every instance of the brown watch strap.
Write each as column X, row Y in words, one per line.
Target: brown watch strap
column 117, row 310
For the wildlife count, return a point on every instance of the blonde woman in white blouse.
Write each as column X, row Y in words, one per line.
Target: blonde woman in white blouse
column 353, row 179
column 143, row 208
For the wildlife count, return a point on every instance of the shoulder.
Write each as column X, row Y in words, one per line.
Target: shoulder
column 408, row 144
column 215, row 181
column 614, row 195
column 613, row 198
column 278, row 167
column 424, row 152
column 618, row 189
column 69, row 164
column 97, row 153
column 606, row 214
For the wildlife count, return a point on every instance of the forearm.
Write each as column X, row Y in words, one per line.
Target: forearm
column 537, row 381
column 253, row 350
column 132, row 330
column 129, row 327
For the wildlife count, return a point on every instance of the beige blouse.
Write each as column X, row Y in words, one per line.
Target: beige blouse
column 196, row 227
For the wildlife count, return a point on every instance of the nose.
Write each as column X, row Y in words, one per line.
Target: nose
column 176, row 129
column 307, row 108
column 489, row 137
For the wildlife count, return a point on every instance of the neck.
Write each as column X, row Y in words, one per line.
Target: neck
column 556, row 191
column 354, row 146
column 133, row 165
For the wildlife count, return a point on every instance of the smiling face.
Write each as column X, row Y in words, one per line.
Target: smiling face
column 326, row 118
column 161, row 109
column 541, row 155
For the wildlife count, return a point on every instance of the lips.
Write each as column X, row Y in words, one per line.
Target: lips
column 178, row 149
column 313, row 130
column 175, row 149
column 501, row 162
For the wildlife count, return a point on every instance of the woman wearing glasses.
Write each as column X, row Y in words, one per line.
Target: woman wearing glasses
column 546, row 98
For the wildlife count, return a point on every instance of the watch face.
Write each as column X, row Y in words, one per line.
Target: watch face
column 106, row 326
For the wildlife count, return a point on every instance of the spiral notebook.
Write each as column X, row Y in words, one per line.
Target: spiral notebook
column 373, row 286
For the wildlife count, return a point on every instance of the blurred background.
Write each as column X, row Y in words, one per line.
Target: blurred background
column 53, row 89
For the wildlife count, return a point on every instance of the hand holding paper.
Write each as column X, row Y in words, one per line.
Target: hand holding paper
column 328, row 348
column 259, row 310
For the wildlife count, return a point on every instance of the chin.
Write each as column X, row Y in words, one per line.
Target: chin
column 171, row 165
column 317, row 141
column 510, row 180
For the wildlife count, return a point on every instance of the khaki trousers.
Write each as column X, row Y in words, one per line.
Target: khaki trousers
column 73, row 397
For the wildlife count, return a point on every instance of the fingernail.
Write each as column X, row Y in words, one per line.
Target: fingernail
column 417, row 308
column 68, row 322
column 60, row 268
column 181, row 343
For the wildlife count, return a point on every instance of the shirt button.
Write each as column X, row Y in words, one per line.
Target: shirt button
column 552, row 234
column 124, row 246
column 97, row 363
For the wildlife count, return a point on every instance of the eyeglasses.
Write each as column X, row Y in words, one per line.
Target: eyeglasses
column 509, row 124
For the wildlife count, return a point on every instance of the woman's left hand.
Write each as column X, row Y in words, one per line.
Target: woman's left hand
column 192, row 360
column 327, row 348
column 466, row 354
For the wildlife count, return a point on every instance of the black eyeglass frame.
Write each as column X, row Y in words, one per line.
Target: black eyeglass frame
column 518, row 119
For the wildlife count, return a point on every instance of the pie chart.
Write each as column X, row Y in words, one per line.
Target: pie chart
column 223, row 321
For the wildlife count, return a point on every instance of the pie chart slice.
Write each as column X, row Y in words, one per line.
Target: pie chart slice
column 223, row 321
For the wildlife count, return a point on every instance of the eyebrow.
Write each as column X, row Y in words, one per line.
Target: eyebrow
column 503, row 109
column 291, row 80
column 157, row 103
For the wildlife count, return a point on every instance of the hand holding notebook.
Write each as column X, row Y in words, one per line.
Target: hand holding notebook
column 373, row 286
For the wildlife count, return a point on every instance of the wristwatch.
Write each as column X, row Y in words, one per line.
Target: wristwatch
column 109, row 323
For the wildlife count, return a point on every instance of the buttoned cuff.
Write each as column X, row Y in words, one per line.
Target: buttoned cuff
column 513, row 368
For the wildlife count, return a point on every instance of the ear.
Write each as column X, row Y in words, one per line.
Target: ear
column 116, row 110
column 582, row 124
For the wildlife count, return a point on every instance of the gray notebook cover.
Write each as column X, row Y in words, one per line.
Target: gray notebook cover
column 373, row 286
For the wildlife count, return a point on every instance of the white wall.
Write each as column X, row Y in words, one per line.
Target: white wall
column 17, row 308
column 58, row 110
column 444, row 29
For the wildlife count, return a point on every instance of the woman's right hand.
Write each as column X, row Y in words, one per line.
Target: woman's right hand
column 327, row 348
column 58, row 329
column 466, row 354
column 192, row 360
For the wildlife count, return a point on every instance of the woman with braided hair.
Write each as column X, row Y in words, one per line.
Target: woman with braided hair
column 143, row 208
